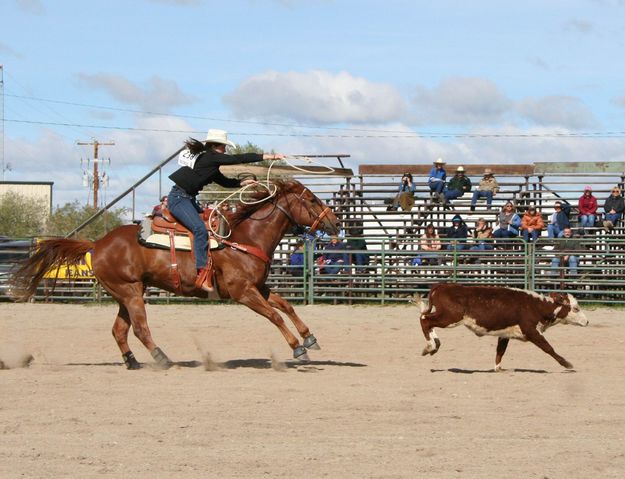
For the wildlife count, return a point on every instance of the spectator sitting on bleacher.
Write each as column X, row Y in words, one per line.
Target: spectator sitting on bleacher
column 481, row 233
column 357, row 243
column 405, row 194
column 296, row 260
column 587, row 207
column 335, row 257
column 457, row 186
column 563, row 249
column 430, row 244
column 457, row 231
column 436, row 181
column 559, row 220
column 487, row 188
column 613, row 207
column 158, row 209
column 532, row 224
column 509, row 222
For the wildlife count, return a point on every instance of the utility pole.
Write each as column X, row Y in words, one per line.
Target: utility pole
column 2, row 119
column 96, row 178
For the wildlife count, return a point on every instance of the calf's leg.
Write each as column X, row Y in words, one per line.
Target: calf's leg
column 540, row 341
column 502, row 344
column 428, row 322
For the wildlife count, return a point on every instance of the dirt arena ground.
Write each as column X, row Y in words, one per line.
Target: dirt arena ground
column 366, row 406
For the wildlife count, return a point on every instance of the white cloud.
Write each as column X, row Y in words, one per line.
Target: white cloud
column 158, row 95
column 317, row 97
column 31, row 6
column 556, row 110
column 461, row 100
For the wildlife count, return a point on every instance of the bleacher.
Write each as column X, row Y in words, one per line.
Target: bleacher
column 362, row 202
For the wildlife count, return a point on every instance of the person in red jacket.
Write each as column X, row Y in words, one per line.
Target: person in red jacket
column 587, row 207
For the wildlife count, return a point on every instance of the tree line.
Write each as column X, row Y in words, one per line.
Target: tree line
column 22, row 217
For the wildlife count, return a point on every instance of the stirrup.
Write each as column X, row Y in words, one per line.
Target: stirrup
column 204, row 280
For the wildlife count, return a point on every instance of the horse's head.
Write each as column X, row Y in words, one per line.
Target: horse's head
column 305, row 209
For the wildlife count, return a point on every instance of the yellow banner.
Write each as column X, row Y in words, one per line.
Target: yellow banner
column 82, row 270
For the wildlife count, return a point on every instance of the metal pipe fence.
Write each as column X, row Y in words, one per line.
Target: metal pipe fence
column 396, row 271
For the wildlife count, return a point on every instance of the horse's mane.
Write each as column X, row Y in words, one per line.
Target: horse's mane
column 244, row 211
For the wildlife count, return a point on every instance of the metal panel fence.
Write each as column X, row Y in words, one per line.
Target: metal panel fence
column 394, row 272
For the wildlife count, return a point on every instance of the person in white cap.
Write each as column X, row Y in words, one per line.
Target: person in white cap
column 437, row 178
column 208, row 156
column 457, row 186
column 587, row 206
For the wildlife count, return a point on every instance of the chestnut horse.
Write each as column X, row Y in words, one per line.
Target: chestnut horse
column 124, row 267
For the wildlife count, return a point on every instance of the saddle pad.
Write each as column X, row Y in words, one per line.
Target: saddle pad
column 181, row 242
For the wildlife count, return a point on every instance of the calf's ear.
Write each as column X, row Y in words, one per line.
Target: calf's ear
column 559, row 298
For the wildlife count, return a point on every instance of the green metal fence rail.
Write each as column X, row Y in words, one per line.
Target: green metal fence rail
column 397, row 271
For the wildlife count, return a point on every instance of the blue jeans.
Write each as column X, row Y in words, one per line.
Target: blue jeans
column 482, row 246
column 535, row 234
column 587, row 221
column 436, row 186
column 452, row 194
column 482, row 194
column 554, row 231
column 186, row 210
column 499, row 233
column 555, row 263
column 613, row 217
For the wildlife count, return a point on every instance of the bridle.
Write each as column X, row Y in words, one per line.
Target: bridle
column 318, row 218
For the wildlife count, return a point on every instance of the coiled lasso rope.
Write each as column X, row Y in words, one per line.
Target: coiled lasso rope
column 268, row 185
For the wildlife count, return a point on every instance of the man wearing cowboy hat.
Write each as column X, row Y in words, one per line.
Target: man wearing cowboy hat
column 487, row 188
column 437, row 178
column 208, row 156
column 458, row 185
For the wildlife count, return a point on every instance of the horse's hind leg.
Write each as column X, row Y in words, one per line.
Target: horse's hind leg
column 121, row 326
column 277, row 301
column 255, row 301
column 130, row 298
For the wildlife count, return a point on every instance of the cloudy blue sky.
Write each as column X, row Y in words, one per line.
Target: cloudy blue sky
column 392, row 81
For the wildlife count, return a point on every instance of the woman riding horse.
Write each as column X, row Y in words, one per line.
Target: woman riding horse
column 125, row 268
column 189, row 181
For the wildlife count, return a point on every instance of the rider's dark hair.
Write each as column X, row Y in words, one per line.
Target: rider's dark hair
column 195, row 146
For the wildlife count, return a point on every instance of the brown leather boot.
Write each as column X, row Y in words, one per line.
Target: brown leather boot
column 204, row 279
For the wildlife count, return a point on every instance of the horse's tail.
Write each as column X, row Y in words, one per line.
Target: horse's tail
column 50, row 254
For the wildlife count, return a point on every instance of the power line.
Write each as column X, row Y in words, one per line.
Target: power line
column 397, row 135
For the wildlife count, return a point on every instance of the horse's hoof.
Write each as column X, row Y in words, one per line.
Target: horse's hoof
column 310, row 342
column 299, row 353
column 161, row 359
column 130, row 361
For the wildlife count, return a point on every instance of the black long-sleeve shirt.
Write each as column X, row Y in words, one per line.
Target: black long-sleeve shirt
column 206, row 170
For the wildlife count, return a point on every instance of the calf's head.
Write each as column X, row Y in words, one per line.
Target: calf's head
column 568, row 310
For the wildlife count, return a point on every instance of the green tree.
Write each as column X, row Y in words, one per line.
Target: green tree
column 66, row 218
column 21, row 216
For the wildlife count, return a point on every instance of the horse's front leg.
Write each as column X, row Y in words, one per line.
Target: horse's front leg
column 252, row 298
column 277, row 301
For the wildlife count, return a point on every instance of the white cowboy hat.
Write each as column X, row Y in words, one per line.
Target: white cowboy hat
column 220, row 137
column 488, row 171
column 439, row 162
column 460, row 169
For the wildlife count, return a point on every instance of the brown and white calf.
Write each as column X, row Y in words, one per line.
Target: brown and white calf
column 499, row 311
